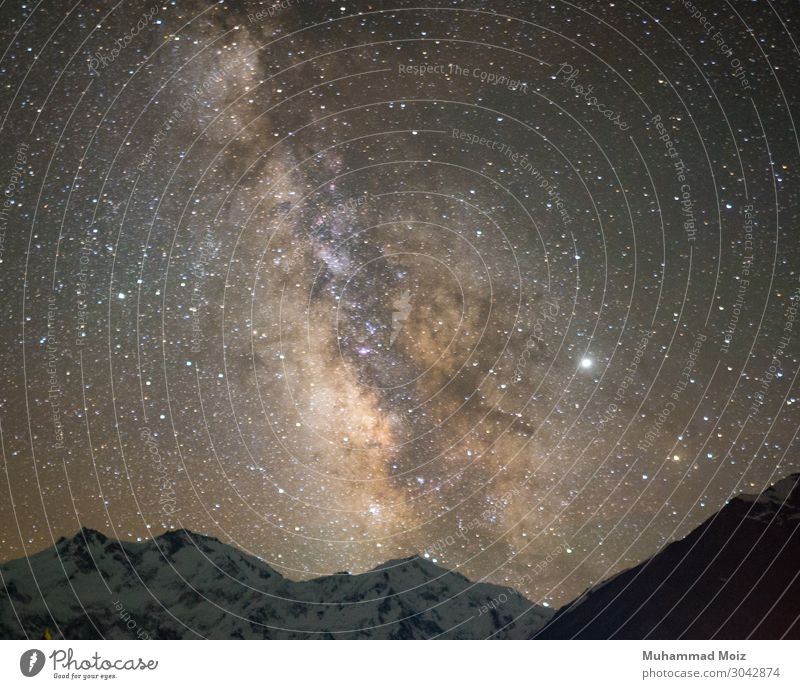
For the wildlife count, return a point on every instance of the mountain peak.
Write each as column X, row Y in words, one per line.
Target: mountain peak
column 780, row 493
column 417, row 562
column 397, row 562
column 197, row 586
column 86, row 535
column 184, row 536
column 692, row 588
column 733, row 577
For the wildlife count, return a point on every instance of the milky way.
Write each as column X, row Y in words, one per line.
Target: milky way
column 510, row 288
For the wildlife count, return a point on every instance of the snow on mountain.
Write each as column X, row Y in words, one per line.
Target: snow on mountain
column 735, row 576
column 183, row 585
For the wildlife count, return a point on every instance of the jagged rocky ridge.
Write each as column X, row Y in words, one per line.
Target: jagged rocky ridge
column 196, row 586
column 736, row 576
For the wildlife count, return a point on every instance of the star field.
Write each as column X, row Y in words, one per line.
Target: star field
column 510, row 287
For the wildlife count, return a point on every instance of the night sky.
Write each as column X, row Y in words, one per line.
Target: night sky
column 512, row 285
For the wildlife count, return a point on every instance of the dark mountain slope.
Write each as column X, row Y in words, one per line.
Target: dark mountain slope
column 736, row 576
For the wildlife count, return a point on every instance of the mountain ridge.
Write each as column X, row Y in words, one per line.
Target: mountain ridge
column 201, row 587
column 719, row 581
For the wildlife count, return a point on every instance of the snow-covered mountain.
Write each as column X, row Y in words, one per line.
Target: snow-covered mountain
column 735, row 576
column 183, row 585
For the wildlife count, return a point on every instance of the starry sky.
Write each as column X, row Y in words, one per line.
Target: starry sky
column 512, row 286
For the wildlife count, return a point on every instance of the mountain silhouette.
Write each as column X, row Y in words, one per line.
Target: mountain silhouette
column 736, row 576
